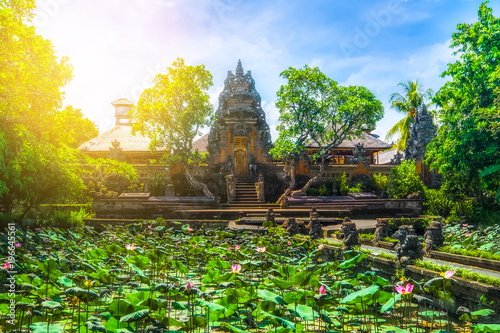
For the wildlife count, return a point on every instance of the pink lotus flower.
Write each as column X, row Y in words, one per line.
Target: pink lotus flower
column 320, row 247
column 322, row 290
column 229, row 248
column 177, row 244
column 289, row 243
column 235, row 269
column 114, row 237
column 149, row 226
column 236, row 247
column 6, row 266
column 131, row 247
column 468, row 234
column 405, row 290
column 189, row 229
column 144, row 246
column 189, row 286
column 261, row 249
column 17, row 245
column 194, row 246
column 448, row 274
column 464, row 224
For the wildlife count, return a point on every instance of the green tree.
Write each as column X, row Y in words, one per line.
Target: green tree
column 100, row 170
column 35, row 165
column 467, row 146
column 173, row 112
column 404, row 180
column 407, row 103
column 315, row 109
column 71, row 128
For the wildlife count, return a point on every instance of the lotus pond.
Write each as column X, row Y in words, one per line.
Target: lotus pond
column 147, row 278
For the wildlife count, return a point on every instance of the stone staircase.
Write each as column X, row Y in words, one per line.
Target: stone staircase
column 245, row 191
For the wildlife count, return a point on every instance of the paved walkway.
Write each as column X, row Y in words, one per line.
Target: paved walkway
column 367, row 224
column 440, row 262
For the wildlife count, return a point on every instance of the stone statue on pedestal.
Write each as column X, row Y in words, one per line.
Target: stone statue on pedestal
column 433, row 237
column 408, row 245
column 349, row 234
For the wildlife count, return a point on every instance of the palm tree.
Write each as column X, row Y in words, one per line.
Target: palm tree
column 408, row 102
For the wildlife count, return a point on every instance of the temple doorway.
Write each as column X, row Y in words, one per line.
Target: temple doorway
column 240, row 156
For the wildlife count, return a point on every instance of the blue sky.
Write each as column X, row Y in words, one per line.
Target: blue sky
column 117, row 46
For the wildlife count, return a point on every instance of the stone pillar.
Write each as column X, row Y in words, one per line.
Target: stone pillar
column 259, row 187
column 231, row 188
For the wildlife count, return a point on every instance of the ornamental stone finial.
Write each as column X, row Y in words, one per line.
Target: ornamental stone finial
column 239, row 68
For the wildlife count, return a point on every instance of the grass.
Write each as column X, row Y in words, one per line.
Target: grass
column 367, row 236
column 471, row 253
column 462, row 272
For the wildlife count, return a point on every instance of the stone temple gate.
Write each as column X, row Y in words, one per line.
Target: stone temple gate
column 240, row 135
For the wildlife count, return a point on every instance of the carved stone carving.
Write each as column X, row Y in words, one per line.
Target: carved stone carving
column 408, row 244
column 349, row 233
column 231, row 188
column 381, row 231
column 239, row 112
column 259, row 186
column 292, row 226
column 359, row 154
column 422, row 132
column 315, row 227
column 397, row 158
column 433, row 237
column 115, row 152
column 270, row 217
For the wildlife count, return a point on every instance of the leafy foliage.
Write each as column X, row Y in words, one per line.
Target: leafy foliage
column 404, row 180
column 467, row 146
column 38, row 162
column 314, row 109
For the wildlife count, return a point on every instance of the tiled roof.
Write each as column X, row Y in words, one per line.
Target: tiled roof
column 368, row 141
column 122, row 101
column 201, row 144
column 385, row 157
column 121, row 133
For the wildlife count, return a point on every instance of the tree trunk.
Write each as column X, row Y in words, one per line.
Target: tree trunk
column 311, row 181
column 290, row 186
column 199, row 185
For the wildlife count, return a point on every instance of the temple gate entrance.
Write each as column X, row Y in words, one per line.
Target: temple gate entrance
column 240, row 156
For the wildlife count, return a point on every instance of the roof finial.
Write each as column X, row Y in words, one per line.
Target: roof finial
column 239, row 68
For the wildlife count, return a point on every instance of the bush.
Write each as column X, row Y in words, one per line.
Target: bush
column 342, row 188
column 404, row 180
column 68, row 219
column 356, row 189
column 379, row 183
column 436, row 203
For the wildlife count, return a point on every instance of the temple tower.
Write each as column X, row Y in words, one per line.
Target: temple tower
column 239, row 136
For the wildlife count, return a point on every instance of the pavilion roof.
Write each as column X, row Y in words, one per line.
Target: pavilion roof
column 121, row 133
column 369, row 141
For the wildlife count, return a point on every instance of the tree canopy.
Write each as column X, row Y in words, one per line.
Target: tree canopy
column 315, row 109
column 36, row 163
column 467, row 147
column 173, row 112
